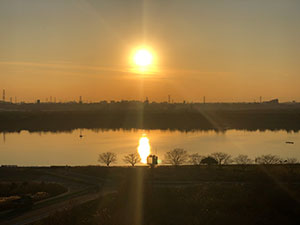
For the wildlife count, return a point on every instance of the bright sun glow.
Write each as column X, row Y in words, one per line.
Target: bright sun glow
column 144, row 148
column 143, row 58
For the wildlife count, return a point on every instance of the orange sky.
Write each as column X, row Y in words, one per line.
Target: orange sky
column 226, row 50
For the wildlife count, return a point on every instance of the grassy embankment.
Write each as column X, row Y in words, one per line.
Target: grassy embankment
column 192, row 195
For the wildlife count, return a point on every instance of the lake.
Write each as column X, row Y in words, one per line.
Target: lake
column 67, row 148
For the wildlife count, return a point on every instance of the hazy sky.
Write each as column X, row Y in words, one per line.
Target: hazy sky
column 227, row 50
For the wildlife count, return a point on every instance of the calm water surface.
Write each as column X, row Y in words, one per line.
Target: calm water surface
column 33, row 149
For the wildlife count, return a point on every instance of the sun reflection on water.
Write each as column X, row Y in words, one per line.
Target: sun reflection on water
column 144, row 148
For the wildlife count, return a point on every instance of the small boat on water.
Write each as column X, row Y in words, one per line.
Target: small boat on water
column 289, row 142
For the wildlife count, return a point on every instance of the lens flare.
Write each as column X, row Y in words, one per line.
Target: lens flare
column 144, row 148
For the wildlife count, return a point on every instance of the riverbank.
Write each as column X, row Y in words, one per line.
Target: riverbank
column 182, row 120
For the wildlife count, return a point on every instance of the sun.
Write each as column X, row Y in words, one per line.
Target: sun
column 143, row 58
column 144, row 61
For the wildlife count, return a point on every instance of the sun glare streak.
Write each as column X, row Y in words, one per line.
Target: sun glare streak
column 144, row 148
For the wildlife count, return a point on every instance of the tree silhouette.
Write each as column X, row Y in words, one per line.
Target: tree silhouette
column 176, row 157
column 107, row 158
column 195, row 159
column 132, row 158
column 242, row 160
column 209, row 161
column 268, row 159
column 221, row 157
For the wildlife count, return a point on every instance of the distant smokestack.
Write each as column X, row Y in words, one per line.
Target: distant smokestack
column 203, row 99
column 169, row 98
column 3, row 95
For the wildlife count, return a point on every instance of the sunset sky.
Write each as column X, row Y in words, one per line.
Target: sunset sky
column 227, row 50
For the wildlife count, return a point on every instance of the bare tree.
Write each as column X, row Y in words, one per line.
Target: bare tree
column 242, row 160
column 132, row 158
column 107, row 158
column 268, row 159
column 195, row 159
column 221, row 157
column 176, row 157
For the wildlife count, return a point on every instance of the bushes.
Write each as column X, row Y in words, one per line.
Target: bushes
column 18, row 194
column 29, row 188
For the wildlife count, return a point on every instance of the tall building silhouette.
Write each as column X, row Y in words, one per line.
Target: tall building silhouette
column 3, row 95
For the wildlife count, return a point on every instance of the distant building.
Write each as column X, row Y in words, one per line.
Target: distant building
column 9, row 166
column 273, row 101
column 146, row 101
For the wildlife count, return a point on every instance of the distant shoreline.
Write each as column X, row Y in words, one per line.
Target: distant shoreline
column 182, row 117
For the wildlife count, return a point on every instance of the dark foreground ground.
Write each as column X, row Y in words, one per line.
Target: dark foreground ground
column 232, row 194
column 188, row 195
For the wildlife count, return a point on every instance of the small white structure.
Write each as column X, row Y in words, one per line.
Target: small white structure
column 152, row 160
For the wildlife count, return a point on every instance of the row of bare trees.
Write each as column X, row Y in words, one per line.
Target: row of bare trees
column 110, row 157
column 179, row 156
